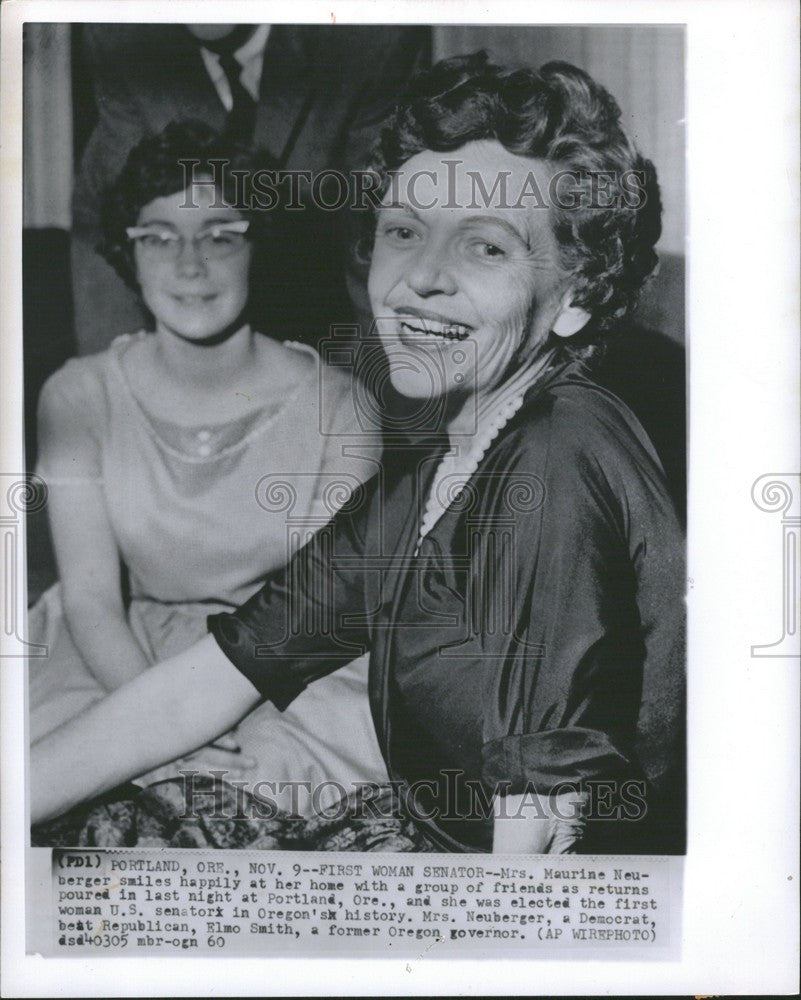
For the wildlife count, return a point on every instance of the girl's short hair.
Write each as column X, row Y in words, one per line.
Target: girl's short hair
column 163, row 164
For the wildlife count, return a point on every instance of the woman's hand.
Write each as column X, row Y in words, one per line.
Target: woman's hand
column 538, row 824
column 224, row 754
column 167, row 711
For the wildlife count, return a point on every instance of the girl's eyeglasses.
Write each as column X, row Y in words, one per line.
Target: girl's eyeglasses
column 214, row 243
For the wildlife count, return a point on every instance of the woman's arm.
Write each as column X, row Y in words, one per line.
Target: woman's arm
column 606, row 538
column 167, row 711
column 83, row 539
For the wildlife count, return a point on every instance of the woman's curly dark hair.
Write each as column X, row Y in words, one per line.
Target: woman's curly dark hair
column 561, row 115
column 156, row 167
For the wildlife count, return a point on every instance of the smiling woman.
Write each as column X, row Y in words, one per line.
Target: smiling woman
column 517, row 574
column 492, row 271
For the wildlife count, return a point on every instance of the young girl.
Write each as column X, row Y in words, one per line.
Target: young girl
column 171, row 459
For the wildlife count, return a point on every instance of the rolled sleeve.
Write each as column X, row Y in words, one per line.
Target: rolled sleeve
column 545, row 762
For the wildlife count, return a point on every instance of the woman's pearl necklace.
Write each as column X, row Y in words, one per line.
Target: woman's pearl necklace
column 457, row 468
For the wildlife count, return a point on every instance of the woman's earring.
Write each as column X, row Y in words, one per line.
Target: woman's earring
column 571, row 319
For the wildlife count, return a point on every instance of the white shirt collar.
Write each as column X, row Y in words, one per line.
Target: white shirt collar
column 250, row 56
column 254, row 46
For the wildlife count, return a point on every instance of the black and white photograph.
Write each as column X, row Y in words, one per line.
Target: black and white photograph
column 495, row 611
column 360, row 429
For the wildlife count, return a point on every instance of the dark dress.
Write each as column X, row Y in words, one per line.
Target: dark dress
column 536, row 638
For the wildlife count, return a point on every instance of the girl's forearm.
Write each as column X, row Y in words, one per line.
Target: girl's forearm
column 169, row 710
column 104, row 639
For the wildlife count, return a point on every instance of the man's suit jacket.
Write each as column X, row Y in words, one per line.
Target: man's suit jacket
column 324, row 90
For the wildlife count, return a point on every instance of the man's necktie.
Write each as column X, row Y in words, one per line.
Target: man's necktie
column 242, row 116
